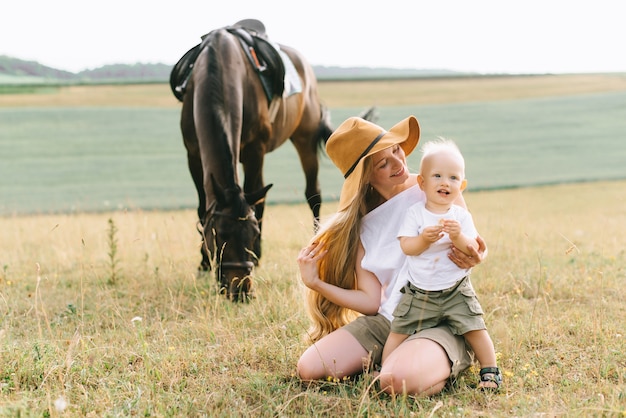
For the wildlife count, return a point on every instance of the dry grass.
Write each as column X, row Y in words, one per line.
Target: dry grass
column 347, row 93
column 465, row 89
column 161, row 342
column 118, row 95
column 158, row 341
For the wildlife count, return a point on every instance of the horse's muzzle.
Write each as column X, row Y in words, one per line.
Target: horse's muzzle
column 236, row 280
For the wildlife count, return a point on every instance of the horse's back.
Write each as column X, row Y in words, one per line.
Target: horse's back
column 300, row 114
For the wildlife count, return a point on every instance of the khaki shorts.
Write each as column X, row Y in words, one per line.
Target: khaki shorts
column 457, row 307
column 372, row 331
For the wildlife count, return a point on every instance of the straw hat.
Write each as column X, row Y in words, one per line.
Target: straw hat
column 356, row 139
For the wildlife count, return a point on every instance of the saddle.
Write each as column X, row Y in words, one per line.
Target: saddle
column 262, row 54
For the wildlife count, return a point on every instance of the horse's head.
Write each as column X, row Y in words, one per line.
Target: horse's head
column 233, row 238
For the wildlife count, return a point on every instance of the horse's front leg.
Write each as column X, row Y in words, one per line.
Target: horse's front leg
column 194, row 162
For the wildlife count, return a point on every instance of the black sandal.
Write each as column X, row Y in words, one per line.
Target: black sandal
column 491, row 374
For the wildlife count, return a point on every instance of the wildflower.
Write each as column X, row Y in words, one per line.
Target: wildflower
column 136, row 319
column 60, row 404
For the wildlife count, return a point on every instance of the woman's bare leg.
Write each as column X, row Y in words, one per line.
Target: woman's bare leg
column 417, row 367
column 338, row 354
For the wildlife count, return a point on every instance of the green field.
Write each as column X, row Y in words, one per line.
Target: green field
column 96, row 158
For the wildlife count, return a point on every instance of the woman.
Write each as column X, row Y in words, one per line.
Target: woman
column 352, row 264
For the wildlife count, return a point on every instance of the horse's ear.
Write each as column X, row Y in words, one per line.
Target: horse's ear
column 255, row 197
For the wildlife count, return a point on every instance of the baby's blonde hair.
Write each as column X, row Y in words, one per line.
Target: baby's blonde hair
column 441, row 145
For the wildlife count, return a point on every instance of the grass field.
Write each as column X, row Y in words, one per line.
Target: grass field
column 101, row 322
column 102, row 313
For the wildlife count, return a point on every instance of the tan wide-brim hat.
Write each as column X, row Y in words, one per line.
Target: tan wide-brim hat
column 356, row 139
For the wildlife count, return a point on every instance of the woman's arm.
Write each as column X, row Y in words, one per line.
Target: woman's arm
column 459, row 240
column 470, row 256
column 364, row 299
column 460, row 201
column 475, row 257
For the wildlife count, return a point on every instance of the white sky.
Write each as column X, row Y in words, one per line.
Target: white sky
column 485, row 36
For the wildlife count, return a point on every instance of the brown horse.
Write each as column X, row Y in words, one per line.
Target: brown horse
column 240, row 103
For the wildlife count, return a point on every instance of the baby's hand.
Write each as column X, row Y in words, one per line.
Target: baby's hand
column 432, row 233
column 451, row 227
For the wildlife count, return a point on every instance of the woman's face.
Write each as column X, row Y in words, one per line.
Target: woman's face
column 389, row 168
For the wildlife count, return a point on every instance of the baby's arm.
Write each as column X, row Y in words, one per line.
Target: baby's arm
column 460, row 240
column 418, row 244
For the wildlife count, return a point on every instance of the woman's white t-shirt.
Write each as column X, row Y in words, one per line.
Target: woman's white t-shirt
column 383, row 255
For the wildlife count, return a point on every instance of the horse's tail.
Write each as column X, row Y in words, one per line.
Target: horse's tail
column 325, row 129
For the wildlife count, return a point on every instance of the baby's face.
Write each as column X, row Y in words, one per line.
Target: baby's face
column 443, row 178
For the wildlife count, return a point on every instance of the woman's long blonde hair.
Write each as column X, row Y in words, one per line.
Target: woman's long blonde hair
column 340, row 236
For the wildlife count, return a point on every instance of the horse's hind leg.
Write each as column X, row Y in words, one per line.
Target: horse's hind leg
column 307, row 151
column 252, row 157
column 195, row 168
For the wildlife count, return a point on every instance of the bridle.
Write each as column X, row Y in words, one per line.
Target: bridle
column 209, row 220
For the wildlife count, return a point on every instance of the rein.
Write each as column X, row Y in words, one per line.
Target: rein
column 209, row 219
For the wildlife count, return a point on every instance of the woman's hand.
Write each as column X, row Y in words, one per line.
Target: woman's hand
column 308, row 259
column 468, row 261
